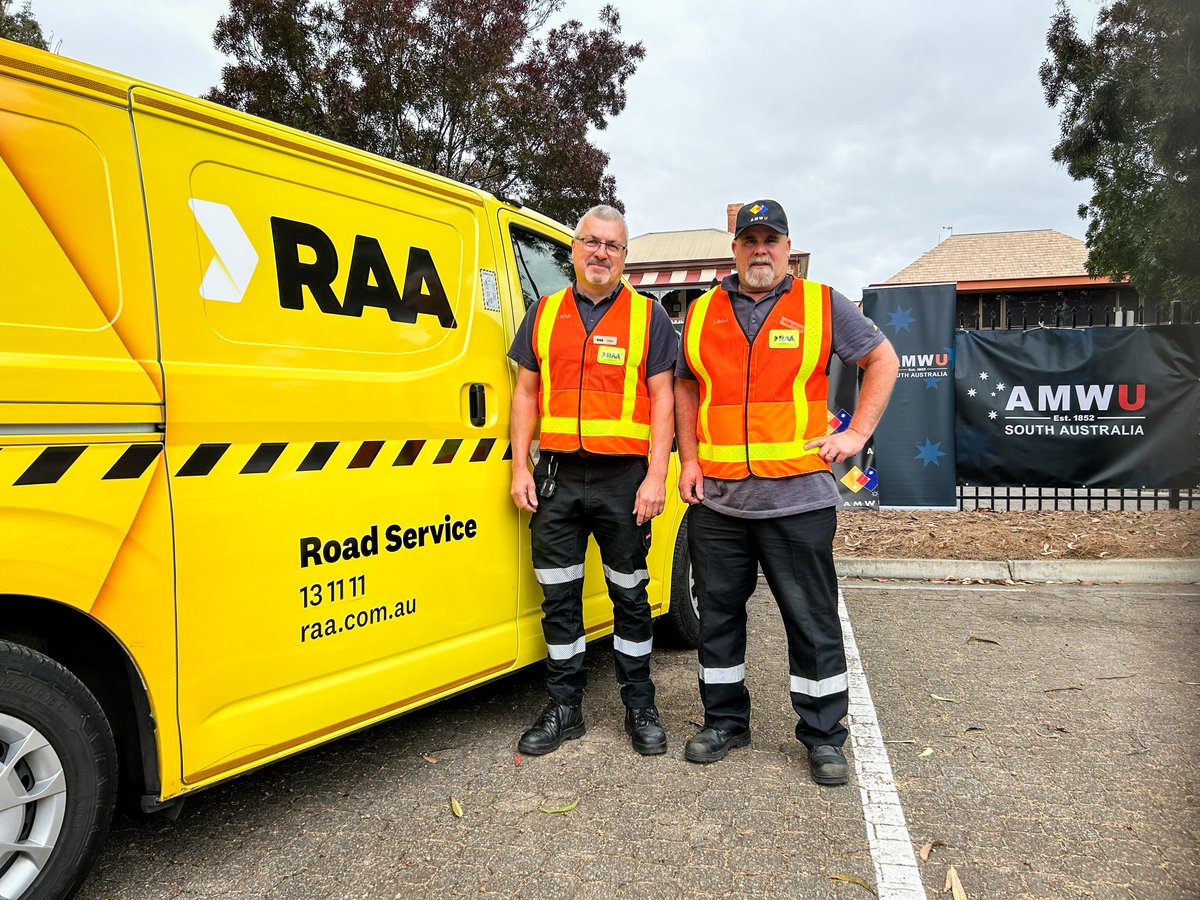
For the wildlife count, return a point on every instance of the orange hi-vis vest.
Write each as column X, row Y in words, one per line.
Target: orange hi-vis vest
column 761, row 403
column 593, row 393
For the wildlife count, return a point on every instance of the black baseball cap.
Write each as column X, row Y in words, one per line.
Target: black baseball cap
column 761, row 212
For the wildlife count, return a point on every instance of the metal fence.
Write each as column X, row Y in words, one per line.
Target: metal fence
column 1027, row 497
column 1057, row 315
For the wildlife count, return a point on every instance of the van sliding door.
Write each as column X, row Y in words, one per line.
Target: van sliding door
column 336, row 430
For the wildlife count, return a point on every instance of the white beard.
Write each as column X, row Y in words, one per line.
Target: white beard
column 759, row 278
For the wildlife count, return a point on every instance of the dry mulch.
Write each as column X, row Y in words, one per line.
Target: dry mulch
column 989, row 535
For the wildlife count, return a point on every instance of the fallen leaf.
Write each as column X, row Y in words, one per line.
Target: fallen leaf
column 455, row 806
column 974, row 728
column 1050, row 727
column 927, row 848
column 901, row 741
column 429, row 757
column 852, row 879
column 559, row 809
column 516, row 759
column 944, row 699
column 982, row 640
column 954, row 885
column 928, row 751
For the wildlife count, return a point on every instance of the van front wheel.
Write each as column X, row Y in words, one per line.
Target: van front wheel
column 682, row 621
column 58, row 775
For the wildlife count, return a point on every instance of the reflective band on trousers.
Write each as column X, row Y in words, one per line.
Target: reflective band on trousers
column 566, row 651
column 559, row 576
column 632, row 648
column 728, row 675
column 621, row 580
column 834, row 684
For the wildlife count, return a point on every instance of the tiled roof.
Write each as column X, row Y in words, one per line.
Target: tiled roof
column 998, row 255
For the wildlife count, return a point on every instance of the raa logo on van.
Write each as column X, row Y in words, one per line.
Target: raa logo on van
column 369, row 282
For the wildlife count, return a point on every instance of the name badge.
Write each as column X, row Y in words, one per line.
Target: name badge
column 611, row 356
column 788, row 323
column 785, row 338
column 604, row 339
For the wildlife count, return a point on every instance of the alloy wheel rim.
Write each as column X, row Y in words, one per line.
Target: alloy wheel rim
column 33, row 802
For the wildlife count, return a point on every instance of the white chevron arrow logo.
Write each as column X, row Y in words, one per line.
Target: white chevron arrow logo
column 229, row 273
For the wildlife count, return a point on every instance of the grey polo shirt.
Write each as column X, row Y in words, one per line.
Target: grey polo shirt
column 852, row 336
column 663, row 346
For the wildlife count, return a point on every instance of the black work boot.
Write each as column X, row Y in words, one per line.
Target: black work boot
column 556, row 724
column 644, row 730
column 711, row 744
column 828, row 765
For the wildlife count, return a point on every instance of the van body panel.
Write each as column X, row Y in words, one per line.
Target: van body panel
column 76, row 312
column 81, row 403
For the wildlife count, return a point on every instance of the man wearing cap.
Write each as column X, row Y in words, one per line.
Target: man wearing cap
column 751, row 414
column 595, row 365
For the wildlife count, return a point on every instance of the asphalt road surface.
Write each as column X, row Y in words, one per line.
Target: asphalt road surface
column 1040, row 739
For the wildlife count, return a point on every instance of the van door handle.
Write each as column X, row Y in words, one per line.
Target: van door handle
column 478, row 405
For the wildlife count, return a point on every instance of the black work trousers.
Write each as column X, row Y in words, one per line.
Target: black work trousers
column 593, row 495
column 796, row 555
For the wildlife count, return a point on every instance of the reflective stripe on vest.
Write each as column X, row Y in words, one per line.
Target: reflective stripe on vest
column 761, row 403
column 593, row 393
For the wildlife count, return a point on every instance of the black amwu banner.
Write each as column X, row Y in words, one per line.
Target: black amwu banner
column 1079, row 407
column 914, row 443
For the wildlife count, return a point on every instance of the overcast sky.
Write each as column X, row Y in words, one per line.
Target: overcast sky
column 878, row 124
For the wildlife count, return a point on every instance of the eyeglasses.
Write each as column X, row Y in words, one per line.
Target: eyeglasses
column 593, row 244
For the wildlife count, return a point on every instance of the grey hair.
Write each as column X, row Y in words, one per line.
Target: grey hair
column 605, row 213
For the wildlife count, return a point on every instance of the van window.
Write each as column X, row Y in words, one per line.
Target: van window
column 543, row 264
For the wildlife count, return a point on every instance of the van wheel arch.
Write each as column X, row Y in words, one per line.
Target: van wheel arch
column 91, row 653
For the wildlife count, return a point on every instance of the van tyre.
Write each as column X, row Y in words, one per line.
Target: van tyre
column 58, row 776
column 681, row 624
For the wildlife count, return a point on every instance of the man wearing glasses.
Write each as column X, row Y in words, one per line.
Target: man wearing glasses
column 594, row 365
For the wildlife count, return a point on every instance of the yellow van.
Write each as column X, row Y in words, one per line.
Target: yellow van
column 254, row 457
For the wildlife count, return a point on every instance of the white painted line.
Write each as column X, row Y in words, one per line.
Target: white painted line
column 896, row 874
